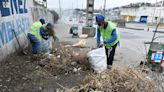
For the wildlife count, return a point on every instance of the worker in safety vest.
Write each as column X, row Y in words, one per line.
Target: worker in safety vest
column 110, row 36
column 37, row 32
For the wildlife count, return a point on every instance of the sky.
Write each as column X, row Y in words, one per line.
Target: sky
column 69, row 4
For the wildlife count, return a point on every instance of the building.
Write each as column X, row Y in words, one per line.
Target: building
column 113, row 14
column 144, row 13
column 129, row 13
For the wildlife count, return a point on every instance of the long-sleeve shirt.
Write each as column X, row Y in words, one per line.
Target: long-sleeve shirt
column 42, row 33
column 113, row 38
column 45, row 35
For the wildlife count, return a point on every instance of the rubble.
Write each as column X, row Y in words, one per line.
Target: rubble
column 81, row 43
column 73, row 61
column 64, row 60
column 127, row 80
column 83, row 36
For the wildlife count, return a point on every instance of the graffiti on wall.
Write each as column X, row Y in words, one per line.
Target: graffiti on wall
column 19, row 6
column 19, row 23
column 6, row 29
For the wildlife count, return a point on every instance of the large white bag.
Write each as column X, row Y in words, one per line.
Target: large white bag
column 98, row 60
column 47, row 45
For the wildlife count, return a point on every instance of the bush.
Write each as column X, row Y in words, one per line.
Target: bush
column 55, row 16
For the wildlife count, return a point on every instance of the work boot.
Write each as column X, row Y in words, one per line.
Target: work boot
column 109, row 67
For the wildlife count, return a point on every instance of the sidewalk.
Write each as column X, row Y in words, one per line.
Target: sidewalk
column 143, row 26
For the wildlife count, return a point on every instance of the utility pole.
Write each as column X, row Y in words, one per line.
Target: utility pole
column 77, row 11
column 46, row 3
column 104, row 6
column 154, row 12
column 60, row 8
column 89, row 29
column 161, row 11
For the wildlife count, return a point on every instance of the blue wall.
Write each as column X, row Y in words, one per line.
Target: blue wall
column 17, row 15
column 14, row 5
column 13, row 17
column 6, row 29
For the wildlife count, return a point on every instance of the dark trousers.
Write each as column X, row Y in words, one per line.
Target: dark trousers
column 110, row 57
column 36, row 44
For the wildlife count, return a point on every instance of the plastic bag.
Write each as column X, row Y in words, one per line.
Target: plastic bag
column 98, row 60
column 47, row 45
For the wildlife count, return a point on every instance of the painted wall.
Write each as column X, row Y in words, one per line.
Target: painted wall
column 152, row 13
column 17, row 15
column 129, row 11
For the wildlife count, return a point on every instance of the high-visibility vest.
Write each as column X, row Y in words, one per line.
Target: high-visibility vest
column 35, row 29
column 106, row 34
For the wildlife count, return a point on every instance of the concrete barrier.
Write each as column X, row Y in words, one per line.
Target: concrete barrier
column 90, row 31
column 137, row 26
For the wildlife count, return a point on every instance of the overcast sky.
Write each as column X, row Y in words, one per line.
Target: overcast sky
column 69, row 4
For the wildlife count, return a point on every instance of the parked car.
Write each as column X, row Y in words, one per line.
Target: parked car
column 74, row 30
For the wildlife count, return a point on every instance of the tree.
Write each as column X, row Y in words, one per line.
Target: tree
column 55, row 16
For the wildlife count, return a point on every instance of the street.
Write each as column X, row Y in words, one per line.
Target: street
column 130, row 52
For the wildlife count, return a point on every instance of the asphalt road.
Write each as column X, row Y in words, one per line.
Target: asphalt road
column 129, row 53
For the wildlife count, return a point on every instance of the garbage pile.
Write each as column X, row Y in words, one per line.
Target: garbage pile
column 127, row 80
column 64, row 59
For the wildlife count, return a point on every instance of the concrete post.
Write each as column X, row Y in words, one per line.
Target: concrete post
column 89, row 29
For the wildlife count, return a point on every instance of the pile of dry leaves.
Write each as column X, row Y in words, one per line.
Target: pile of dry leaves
column 64, row 59
column 127, row 80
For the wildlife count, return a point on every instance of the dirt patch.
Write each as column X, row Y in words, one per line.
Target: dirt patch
column 32, row 73
column 65, row 59
column 67, row 67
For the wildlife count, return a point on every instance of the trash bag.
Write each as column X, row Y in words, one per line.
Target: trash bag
column 97, row 59
column 47, row 45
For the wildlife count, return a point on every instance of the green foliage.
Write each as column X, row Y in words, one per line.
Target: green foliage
column 55, row 16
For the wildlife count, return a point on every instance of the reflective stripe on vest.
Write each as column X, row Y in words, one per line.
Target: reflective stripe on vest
column 106, row 34
column 35, row 30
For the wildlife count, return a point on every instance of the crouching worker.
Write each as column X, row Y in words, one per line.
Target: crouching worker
column 37, row 32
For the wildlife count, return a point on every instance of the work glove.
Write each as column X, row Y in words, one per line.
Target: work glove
column 105, row 42
column 45, row 37
column 100, row 45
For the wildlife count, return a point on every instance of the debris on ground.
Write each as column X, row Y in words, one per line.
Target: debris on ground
column 156, row 76
column 127, row 80
column 64, row 60
column 24, row 71
column 30, row 73
column 81, row 43
column 83, row 36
